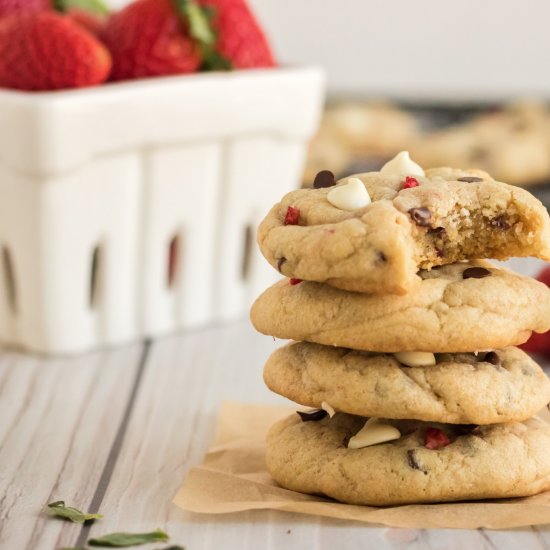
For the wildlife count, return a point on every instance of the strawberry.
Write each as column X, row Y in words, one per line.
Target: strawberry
column 90, row 14
column 10, row 7
column 240, row 38
column 92, row 22
column 48, row 51
column 539, row 343
column 153, row 38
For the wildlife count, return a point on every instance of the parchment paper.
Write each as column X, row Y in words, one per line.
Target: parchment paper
column 233, row 478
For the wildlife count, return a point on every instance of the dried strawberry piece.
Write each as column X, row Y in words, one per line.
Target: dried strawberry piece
column 410, row 182
column 293, row 281
column 435, row 439
column 292, row 216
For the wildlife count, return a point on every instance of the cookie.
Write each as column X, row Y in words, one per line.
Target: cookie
column 470, row 306
column 374, row 129
column 512, row 144
column 504, row 385
column 497, row 461
column 376, row 241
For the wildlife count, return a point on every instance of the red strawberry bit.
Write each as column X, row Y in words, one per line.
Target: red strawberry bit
column 435, row 439
column 293, row 281
column 292, row 216
column 410, row 182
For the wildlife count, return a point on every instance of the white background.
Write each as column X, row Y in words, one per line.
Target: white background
column 426, row 49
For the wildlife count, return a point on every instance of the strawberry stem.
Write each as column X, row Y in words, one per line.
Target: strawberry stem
column 90, row 6
column 200, row 22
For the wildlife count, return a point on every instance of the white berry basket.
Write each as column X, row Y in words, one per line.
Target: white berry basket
column 129, row 210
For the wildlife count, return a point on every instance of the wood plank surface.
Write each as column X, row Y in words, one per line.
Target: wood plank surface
column 185, row 380
column 58, row 420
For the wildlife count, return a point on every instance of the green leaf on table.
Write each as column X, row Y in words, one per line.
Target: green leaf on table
column 59, row 510
column 122, row 540
column 175, row 547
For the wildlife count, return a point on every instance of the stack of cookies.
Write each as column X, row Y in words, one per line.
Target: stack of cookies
column 403, row 337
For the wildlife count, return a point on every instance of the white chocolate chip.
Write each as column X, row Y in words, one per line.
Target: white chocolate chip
column 372, row 433
column 403, row 165
column 351, row 196
column 416, row 358
column 326, row 407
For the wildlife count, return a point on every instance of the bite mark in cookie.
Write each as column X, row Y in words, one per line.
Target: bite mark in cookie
column 419, row 221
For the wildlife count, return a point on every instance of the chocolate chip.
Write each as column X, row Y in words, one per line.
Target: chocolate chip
column 280, row 263
column 382, row 257
column 439, row 252
column 314, row 415
column 470, row 179
column 500, row 222
column 438, row 231
column 475, row 273
column 413, row 463
column 325, row 178
column 492, row 358
column 421, row 216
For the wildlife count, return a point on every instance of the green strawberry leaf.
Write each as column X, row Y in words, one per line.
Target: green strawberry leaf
column 214, row 61
column 200, row 27
column 59, row 509
column 122, row 540
column 91, row 6
column 200, row 20
column 175, row 547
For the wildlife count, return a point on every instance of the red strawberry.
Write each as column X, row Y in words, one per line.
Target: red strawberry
column 92, row 22
column 10, row 7
column 48, row 51
column 151, row 38
column 539, row 343
column 241, row 40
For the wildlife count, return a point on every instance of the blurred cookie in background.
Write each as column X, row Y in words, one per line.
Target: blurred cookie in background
column 359, row 134
column 513, row 144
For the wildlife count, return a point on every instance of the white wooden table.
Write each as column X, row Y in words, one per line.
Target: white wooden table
column 116, row 432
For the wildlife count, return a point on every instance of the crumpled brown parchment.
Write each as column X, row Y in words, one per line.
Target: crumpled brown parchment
column 233, row 478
